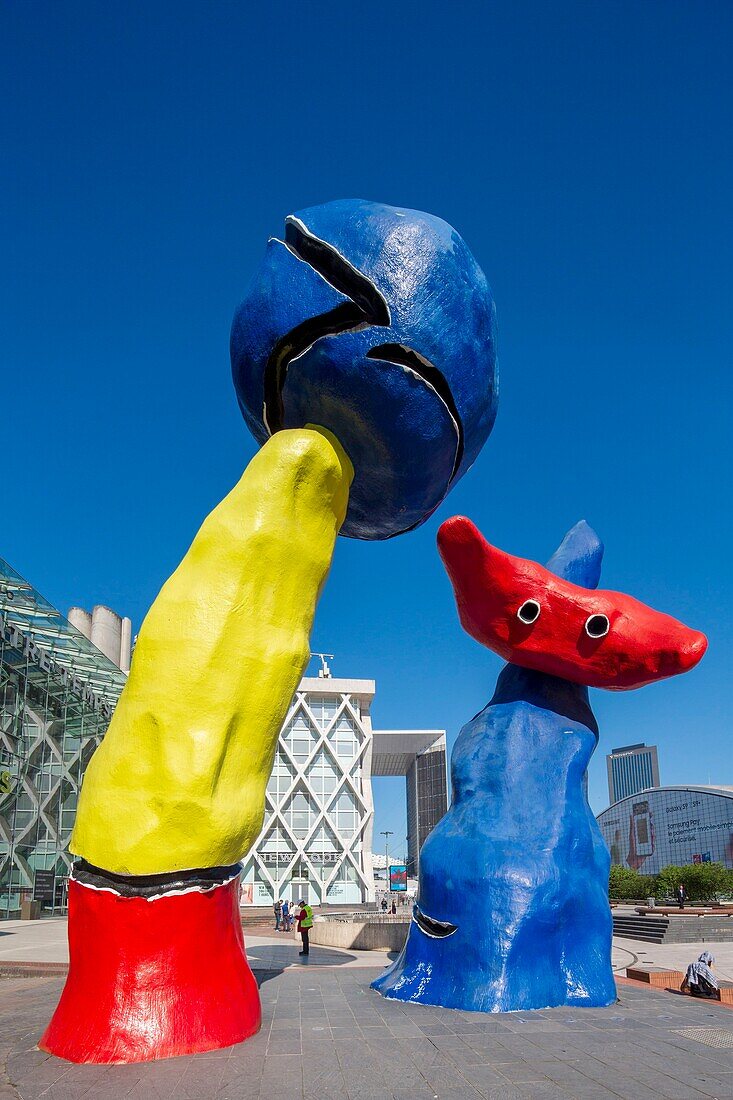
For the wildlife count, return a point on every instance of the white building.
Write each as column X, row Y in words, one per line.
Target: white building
column 316, row 842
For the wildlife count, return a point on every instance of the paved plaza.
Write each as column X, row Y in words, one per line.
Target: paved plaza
column 327, row 1036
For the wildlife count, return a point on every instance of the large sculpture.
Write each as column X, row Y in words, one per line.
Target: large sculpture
column 392, row 324
column 174, row 795
column 512, row 910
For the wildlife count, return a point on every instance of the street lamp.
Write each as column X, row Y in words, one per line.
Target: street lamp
column 387, row 833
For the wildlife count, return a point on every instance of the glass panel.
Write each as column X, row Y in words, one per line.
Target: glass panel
column 57, row 694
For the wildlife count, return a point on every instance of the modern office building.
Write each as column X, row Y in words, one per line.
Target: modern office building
column 316, row 842
column 316, row 839
column 631, row 768
column 664, row 826
column 57, row 694
column 419, row 755
column 427, row 799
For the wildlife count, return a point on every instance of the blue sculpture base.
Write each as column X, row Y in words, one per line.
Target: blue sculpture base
column 512, row 911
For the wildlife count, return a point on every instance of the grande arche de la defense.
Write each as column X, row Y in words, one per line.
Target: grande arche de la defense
column 364, row 363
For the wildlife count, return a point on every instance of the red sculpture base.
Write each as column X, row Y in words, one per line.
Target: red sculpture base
column 153, row 979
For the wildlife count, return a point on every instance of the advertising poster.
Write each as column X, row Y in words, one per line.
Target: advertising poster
column 651, row 830
column 398, row 877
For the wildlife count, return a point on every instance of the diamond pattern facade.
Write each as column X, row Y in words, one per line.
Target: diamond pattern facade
column 317, row 836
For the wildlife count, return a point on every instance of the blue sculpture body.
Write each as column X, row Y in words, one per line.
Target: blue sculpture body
column 378, row 324
column 512, row 911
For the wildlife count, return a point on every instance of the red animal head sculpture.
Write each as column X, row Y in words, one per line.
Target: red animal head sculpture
column 534, row 618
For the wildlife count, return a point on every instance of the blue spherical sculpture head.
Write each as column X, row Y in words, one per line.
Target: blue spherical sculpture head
column 376, row 323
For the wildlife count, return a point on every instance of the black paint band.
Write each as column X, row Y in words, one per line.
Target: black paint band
column 149, row 886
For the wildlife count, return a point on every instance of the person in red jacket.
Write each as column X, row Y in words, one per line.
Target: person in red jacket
column 305, row 923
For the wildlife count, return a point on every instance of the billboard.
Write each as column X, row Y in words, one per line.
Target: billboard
column 655, row 828
column 398, row 877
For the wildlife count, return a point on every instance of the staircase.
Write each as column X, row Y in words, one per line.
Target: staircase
column 632, row 926
column 255, row 917
column 656, row 928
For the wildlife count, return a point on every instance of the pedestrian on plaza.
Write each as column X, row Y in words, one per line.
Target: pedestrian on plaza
column 278, row 908
column 699, row 979
column 305, row 923
column 394, row 908
column 681, row 895
column 384, row 905
column 286, row 916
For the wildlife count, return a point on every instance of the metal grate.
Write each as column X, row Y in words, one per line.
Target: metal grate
column 711, row 1036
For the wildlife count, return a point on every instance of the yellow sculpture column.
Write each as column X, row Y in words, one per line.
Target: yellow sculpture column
column 173, row 798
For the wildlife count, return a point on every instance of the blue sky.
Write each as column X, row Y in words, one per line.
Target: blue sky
column 584, row 153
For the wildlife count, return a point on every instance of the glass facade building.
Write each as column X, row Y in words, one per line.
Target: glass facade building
column 631, row 769
column 667, row 826
column 427, row 800
column 57, row 695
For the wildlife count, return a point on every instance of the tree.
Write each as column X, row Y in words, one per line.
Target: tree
column 623, row 883
column 702, row 881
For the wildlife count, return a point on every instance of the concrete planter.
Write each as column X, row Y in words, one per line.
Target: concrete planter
column 361, row 935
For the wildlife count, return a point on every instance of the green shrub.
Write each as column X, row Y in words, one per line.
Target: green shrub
column 702, row 881
column 625, row 883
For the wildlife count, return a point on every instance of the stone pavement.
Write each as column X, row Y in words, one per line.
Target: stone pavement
column 327, row 1036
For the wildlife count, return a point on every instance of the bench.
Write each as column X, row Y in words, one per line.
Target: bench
column 725, row 993
column 688, row 911
column 655, row 976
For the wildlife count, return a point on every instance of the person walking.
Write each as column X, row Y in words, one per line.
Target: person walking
column 278, row 909
column 681, row 895
column 394, row 908
column 286, row 916
column 305, row 923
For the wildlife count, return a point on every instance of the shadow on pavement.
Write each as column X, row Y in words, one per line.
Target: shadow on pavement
column 264, row 969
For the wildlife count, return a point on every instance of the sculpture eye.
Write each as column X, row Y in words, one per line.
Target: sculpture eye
column 597, row 626
column 529, row 612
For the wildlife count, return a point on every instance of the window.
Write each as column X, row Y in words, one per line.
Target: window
column 344, row 738
column 300, row 813
column 324, row 708
column 344, row 814
column 322, row 775
column 282, row 777
column 323, row 840
column 299, row 737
